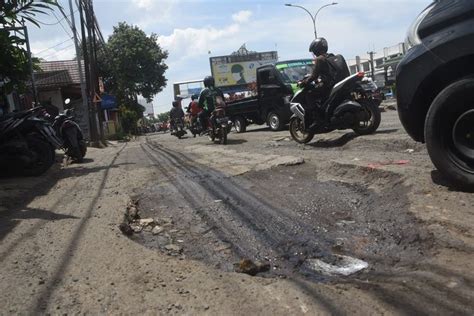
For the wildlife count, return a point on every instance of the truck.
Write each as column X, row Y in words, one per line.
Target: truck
column 276, row 84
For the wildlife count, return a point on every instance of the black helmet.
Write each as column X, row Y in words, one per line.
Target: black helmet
column 209, row 82
column 194, row 97
column 319, row 46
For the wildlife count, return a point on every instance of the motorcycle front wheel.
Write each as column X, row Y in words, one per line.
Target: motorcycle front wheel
column 298, row 133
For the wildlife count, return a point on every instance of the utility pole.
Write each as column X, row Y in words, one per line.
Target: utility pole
column 78, row 59
column 94, row 67
column 372, row 73
column 91, row 109
column 94, row 80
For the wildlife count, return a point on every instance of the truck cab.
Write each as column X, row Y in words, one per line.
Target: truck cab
column 270, row 105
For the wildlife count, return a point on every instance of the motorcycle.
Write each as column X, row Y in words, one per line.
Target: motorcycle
column 192, row 124
column 27, row 143
column 349, row 106
column 177, row 128
column 219, row 125
column 73, row 142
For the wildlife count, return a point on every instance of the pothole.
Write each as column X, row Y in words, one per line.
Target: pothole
column 281, row 219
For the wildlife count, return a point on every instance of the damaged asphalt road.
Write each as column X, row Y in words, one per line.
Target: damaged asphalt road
column 279, row 216
column 340, row 226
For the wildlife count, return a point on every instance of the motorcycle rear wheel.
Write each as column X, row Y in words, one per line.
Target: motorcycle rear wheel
column 223, row 138
column 298, row 133
column 370, row 126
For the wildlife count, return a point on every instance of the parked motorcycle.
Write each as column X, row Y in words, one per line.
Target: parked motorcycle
column 27, row 143
column 349, row 106
column 70, row 132
column 177, row 128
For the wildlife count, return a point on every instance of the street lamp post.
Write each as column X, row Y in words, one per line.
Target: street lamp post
column 313, row 18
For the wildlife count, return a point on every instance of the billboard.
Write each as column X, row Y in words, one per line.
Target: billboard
column 234, row 70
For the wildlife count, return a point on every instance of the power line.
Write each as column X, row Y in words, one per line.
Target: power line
column 44, row 50
column 47, row 56
column 56, row 23
column 61, row 24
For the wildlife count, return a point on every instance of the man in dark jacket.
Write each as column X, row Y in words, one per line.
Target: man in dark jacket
column 176, row 113
column 210, row 98
column 322, row 75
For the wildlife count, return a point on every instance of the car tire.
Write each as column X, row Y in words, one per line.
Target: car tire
column 240, row 124
column 274, row 121
column 449, row 133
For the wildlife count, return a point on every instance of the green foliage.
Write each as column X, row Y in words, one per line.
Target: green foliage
column 133, row 64
column 163, row 117
column 14, row 69
column 14, row 12
column 128, row 119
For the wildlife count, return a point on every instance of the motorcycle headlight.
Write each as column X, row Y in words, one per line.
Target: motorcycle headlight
column 413, row 39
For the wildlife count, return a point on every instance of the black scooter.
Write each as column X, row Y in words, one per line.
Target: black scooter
column 348, row 106
column 27, row 143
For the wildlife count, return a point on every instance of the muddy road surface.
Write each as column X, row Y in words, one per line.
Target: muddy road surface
column 343, row 225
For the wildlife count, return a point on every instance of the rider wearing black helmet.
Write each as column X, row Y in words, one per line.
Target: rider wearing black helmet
column 209, row 99
column 176, row 112
column 321, row 69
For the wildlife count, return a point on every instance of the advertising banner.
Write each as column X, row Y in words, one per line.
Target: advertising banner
column 239, row 69
column 237, row 73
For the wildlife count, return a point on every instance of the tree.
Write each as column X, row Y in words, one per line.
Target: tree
column 14, row 68
column 163, row 117
column 133, row 63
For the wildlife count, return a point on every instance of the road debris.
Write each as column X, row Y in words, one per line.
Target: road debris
column 173, row 248
column 249, row 267
column 126, row 229
column 342, row 265
column 157, row 230
column 377, row 165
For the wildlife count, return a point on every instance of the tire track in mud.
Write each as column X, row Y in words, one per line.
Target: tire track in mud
column 254, row 228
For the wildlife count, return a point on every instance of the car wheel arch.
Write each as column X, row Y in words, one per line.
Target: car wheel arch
column 436, row 82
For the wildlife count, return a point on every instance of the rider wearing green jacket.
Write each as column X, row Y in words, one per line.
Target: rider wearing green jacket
column 210, row 98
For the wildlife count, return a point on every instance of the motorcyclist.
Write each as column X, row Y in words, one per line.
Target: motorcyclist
column 210, row 98
column 322, row 74
column 193, row 108
column 176, row 113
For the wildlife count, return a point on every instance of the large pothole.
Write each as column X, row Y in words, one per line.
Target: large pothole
column 283, row 218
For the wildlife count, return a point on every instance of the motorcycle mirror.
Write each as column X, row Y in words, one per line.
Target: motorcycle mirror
column 67, row 101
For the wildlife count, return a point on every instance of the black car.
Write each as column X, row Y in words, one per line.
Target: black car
column 435, row 87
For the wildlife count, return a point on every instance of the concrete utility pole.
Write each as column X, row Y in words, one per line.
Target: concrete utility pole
column 372, row 73
column 79, row 67
column 91, row 109
column 90, row 62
